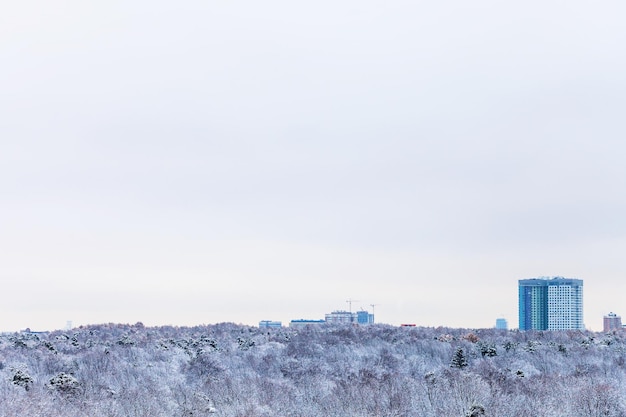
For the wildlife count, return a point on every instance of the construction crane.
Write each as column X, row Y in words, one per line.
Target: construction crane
column 373, row 316
column 350, row 301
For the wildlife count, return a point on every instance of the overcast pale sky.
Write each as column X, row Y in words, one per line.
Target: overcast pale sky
column 207, row 161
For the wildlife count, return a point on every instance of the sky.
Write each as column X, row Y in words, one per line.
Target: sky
column 197, row 162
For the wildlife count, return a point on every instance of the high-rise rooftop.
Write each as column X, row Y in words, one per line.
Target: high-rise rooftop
column 550, row 303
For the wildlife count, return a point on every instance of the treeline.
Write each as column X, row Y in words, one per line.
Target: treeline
column 231, row 370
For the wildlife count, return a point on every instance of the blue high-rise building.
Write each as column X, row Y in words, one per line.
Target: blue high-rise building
column 501, row 324
column 551, row 304
column 364, row 317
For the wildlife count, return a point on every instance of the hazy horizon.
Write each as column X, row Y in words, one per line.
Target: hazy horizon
column 206, row 162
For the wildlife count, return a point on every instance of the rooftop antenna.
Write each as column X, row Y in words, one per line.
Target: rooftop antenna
column 350, row 301
column 373, row 305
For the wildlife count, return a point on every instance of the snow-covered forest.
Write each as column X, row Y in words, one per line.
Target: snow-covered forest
column 231, row 370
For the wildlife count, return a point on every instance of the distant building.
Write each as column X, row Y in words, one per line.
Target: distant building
column 341, row 317
column 29, row 331
column 364, row 317
column 303, row 323
column 270, row 323
column 408, row 325
column 612, row 322
column 551, row 304
column 501, row 324
column 347, row 317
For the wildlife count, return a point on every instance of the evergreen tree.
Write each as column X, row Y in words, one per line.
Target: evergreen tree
column 459, row 360
column 476, row 410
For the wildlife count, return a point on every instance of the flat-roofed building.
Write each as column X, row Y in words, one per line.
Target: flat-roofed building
column 551, row 304
column 364, row 317
column 304, row 322
column 612, row 322
column 341, row 317
column 270, row 323
column 501, row 324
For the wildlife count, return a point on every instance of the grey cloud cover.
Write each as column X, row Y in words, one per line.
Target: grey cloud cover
column 236, row 161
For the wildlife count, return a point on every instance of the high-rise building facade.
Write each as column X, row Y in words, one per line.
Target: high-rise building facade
column 612, row 322
column 533, row 304
column 551, row 304
column 501, row 324
column 364, row 317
